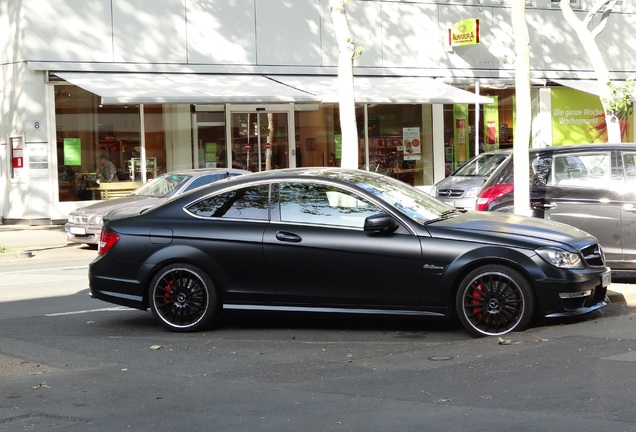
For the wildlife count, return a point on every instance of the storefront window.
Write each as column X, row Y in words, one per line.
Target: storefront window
column 93, row 139
column 315, row 135
column 399, row 139
column 494, row 130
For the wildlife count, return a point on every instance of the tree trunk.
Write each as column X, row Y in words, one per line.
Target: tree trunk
column 588, row 41
column 346, row 50
column 523, row 107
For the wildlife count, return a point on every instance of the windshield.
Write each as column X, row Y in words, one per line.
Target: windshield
column 414, row 203
column 482, row 165
column 162, row 186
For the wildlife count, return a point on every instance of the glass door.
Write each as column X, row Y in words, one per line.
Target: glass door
column 259, row 137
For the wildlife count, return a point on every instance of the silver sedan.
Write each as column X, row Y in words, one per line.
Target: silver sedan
column 85, row 224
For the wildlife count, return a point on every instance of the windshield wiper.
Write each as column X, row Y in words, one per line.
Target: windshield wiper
column 446, row 215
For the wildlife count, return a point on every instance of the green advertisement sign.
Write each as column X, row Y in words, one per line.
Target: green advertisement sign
column 461, row 151
column 578, row 118
column 338, row 144
column 210, row 152
column 72, row 151
column 491, row 124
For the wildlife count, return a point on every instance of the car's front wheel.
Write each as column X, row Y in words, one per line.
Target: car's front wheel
column 183, row 298
column 493, row 300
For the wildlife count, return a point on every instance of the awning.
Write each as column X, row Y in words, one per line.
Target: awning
column 386, row 90
column 587, row 86
column 153, row 88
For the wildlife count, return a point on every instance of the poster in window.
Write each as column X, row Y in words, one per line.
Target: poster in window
column 491, row 125
column 72, row 151
column 210, row 155
column 460, row 135
column 411, row 143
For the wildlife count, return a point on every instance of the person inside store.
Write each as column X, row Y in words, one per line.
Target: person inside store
column 83, row 192
column 106, row 171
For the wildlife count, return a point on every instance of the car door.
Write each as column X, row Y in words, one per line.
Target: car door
column 580, row 190
column 319, row 254
column 230, row 231
column 628, row 209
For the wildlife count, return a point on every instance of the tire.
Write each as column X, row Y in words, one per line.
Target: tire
column 493, row 300
column 183, row 298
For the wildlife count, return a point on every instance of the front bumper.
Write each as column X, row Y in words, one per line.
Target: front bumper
column 78, row 233
column 585, row 294
column 460, row 203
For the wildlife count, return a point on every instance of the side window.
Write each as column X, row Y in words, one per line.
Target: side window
column 540, row 168
column 324, row 205
column 583, row 169
column 246, row 203
column 629, row 162
column 203, row 180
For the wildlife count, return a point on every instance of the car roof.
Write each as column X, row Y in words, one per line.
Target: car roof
column 333, row 173
column 584, row 147
column 195, row 171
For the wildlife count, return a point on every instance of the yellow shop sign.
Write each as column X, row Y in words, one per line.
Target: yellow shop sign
column 465, row 32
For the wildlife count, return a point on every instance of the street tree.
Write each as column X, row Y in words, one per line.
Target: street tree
column 614, row 104
column 523, row 107
column 347, row 51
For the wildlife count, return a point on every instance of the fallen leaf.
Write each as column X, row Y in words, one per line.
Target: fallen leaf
column 504, row 341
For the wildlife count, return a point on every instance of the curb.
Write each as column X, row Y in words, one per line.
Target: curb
column 622, row 294
column 14, row 256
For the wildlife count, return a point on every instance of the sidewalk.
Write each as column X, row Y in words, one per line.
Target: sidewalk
column 29, row 237
column 27, row 240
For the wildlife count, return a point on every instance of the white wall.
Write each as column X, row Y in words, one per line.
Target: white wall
column 406, row 36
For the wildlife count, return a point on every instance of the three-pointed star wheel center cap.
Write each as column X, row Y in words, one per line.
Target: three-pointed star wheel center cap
column 181, row 298
column 493, row 305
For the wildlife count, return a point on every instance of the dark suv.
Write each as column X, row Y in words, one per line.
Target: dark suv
column 591, row 187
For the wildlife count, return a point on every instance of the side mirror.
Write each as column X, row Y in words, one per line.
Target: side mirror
column 380, row 223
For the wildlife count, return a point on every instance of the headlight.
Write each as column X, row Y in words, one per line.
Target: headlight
column 97, row 220
column 560, row 258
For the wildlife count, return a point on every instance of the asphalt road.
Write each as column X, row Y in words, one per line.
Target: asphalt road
column 70, row 363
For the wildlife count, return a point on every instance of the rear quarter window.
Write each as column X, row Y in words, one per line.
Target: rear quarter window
column 251, row 203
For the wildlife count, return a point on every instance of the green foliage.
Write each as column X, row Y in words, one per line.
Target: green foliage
column 620, row 100
column 4, row 249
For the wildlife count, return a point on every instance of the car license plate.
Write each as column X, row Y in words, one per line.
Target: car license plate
column 606, row 279
column 77, row 230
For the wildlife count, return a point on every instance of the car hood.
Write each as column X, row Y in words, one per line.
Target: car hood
column 103, row 207
column 461, row 182
column 510, row 229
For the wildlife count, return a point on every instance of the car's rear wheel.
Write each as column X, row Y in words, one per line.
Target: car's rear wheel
column 183, row 298
column 493, row 300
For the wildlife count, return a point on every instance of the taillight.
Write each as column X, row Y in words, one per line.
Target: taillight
column 106, row 241
column 490, row 194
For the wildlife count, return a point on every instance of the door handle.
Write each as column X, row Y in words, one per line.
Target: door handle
column 288, row 237
column 544, row 206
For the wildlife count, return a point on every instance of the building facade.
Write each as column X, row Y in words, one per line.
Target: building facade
column 173, row 84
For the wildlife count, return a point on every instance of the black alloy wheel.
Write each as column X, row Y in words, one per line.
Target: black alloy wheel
column 183, row 298
column 493, row 300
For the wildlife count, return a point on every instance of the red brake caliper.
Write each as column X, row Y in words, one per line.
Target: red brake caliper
column 168, row 294
column 476, row 302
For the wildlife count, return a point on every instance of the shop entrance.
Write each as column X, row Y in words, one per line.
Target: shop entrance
column 259, row 137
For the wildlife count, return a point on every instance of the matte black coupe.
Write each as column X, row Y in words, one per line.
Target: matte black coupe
column 344, row 241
